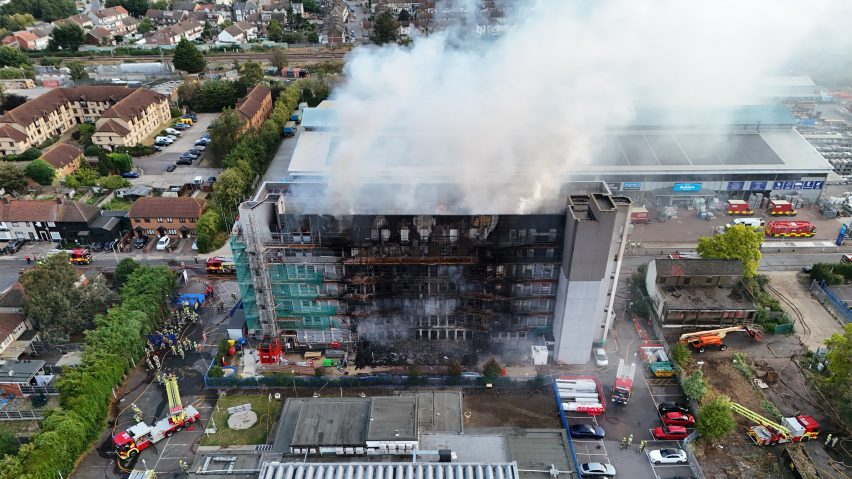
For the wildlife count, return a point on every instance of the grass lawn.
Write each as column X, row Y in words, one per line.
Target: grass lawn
column 267, row 412
column 118, row 204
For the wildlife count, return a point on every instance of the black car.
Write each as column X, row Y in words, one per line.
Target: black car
column 15, row 245
column 191, row 116
column 586, row 431
column 196, row 151
column 161, row 144
column 184, row 161
column 191, row 154
column 673, row 407
column 140, row 242
column 171, row 167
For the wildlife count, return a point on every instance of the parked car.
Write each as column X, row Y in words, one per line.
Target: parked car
column 172, row 131
column 163, row 243
column 96, row 246
column 678, row 419
column 201, row 147
column 171, row 167
column 181, row 127
column 184, row 161
column 600, row 357
column 109, row 245
column 201, row 142
column 206, row 136
column 191, row 153
column 15, row 245
column 163, row 144
column 807, row 269
column 670, row 433
column 157, row 148
column 173, row 137
column 673, row 407
column 167, row 140
column 184, row 121
column 669, row 455
column 140, row 242
column 191, row 116
column 211, row 179
column 130, row 174
column 586, row 431
column 597, row 469
column 471, row 375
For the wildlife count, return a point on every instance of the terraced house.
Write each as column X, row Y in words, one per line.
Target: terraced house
column 124, row 116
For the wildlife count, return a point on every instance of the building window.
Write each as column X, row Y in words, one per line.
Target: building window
column 159, row 220
column 138, row 220
column 172, row 232
column 14, row 224
column 150, row 232
column 182, row 220
column 168, row 220
column 192, row 220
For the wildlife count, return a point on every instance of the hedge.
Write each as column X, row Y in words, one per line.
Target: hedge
column 86, row 391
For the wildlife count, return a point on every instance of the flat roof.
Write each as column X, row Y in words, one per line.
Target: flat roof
column 393, row 419
column 710, row 298
column 699, row 267
column 538, row 449
column 485, row 447
column 389, row 470
column 440, row 411
column 19, row 371
column 332, row 422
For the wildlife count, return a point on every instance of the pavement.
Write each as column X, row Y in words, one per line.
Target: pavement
column 815, row 324
column 278, row 168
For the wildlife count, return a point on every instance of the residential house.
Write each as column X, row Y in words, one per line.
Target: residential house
column 298, row 8
column 18, row 375
column 224, row 2
column 109, row 225
column 216, row 17
column 65, row 157
column 16, row 334
column 240, row 32
column 17, row 84
column 336, row 33
column 171, row 35
column 396, row 6
column 163, row 18
column 242, row 10
column 26, row 40
column 45, row 220
column 61, row 109
column 695, row 294
column 166, row 216
column 255, row 107
column 185, row 6
column 100, row 36
column 83, row 21
column 108, row 17
column 340, row 11
column 272, row 12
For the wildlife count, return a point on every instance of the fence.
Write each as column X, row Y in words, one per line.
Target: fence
column 15, row 415
column 822, row 292
column 697, row 473
column 31, row 390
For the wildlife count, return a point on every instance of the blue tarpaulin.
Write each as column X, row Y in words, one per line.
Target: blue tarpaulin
column 195, row 301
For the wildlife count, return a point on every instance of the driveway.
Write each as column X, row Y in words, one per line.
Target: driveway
column 815, row 324
column 158, row 162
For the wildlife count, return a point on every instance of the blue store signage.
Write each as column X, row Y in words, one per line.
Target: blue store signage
column 687, row 187
column 757, row 185
column 818, row 185
column 632, row 185
column 807, row 185
column 778, row 185
column 736, row 185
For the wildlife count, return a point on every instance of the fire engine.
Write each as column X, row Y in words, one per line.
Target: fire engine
column 701, row 339
column 768, row 433
column 739, row 207
column 220, row 265
column 137, row 438
column 790, row 229
column 623, row 382
column 80, row 256
column 781, row 208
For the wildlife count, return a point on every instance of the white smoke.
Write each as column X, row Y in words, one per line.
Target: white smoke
column 508, row 118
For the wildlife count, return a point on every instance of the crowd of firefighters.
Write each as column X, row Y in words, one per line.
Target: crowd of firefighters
column 168, row 338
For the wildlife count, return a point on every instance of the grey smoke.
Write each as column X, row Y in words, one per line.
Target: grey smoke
column 507, row 119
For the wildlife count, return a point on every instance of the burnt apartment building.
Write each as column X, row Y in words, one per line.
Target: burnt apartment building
column 491, row 281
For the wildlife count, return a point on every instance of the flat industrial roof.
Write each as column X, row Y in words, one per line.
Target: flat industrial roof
column 393, row 419
column 391, row 470
column 535, row 450
column 332, row 422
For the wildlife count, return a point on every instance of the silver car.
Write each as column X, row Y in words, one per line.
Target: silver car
column 597, row 469
column 669, row 455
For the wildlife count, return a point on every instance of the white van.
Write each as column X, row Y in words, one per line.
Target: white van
column 753, row 222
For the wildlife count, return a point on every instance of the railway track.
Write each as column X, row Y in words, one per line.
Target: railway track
column 293, row 58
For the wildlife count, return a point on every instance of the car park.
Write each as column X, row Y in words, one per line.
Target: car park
column 130, row 174
column 140, row 242
column 678, row 419
column 172, row 131
column 191, row 116
column 171, row 167
column 199, row 147
column 670, row 433
column 597, row 469
column 673, row 407
column 669, row 455
column 600, row 357
column 181, row 127
column 163, row 243
column 586, row 431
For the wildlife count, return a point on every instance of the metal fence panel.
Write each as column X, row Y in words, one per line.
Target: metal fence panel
column 823, row 293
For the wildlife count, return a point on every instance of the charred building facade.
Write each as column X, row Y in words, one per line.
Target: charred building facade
column 492, row 281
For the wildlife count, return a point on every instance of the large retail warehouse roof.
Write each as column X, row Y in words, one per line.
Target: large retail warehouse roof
column 361, row 470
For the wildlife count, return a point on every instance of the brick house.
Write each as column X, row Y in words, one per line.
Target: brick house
column 255, row 107
column 45, row 220
column 65, row 157
column 166, row 216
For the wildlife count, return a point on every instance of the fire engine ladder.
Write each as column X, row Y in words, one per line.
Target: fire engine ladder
column 757, row 418
column 722, row 332
column 176, row 411
column 624, row 371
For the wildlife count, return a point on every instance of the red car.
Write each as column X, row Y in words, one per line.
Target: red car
column 678, row 419
column 670, row 432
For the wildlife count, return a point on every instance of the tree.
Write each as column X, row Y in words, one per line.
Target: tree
column 229, row 190
column 311, row 6
column 207, row 228
column 385, row 28
column 67, row 37
column 839, row 359
column 279, row 59
column 187, row 57
column 224, row 135
column 145, row 26
column 312, row 37
column 114, row 182
column 12, row 177
column 161, row 4
column 715, row 418
column 251, row 73
column 681, row 354
column 41, row 172
column 78, row 70
column 121, row 162
column 403, row 16
column 492, row 369
column 213, row 96
column 207, row 33
column 123, row 270
column 12, row 101
column 16, row 21
column 737, row 242
column 137, row 8
column 12, row 57
column 454, row 369
column 51, row 301
column 8, row 443
column 694, row 386
column 46, row 10
column 274, row 31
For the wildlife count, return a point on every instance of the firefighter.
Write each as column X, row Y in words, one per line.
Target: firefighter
column 642, row 445
column 184, row 466
column 137, row 413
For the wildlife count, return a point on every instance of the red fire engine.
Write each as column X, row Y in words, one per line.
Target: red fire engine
column 739, row 207
column 137, row 438
column 269, row 350
column 623, row 382
column 790, row 229
column 80, row 256
column 781, row 208
column 220, row 265
column 767, row 432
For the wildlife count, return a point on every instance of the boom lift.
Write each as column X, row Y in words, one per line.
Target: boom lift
column 701, row 339
column 768, row 433
column 137, row 438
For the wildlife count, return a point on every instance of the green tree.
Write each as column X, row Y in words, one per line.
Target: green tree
column 385, row 28
column 84, row 176
column 208, row 228
column 279, row 59
column 114, row 182
column 12, row 177
column 229, row 190
column 226, row 132
column 78, row 71
column 212, row 96
column 207, row 33
column 8, row 443
column 737, row 242
column 137, row 8
column 16, row 21
column 694, row 386
column 41, row 172
column 839, row 359
column 311, row 6
column 145, row 26
column 274, row 31
column 715, row 419
column 681, row 354
column 67, row 37
column 12, row 57
column 404, row 16
column 187, row 57
column 251, row 74
column 121, row 162
column 492, row 369
column 51, row 302
column 46, row 10
column 161, row 4
column 454, row 369
column 312, row 37
column 123, row 270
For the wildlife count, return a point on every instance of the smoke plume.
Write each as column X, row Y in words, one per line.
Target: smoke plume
column 508, row 118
